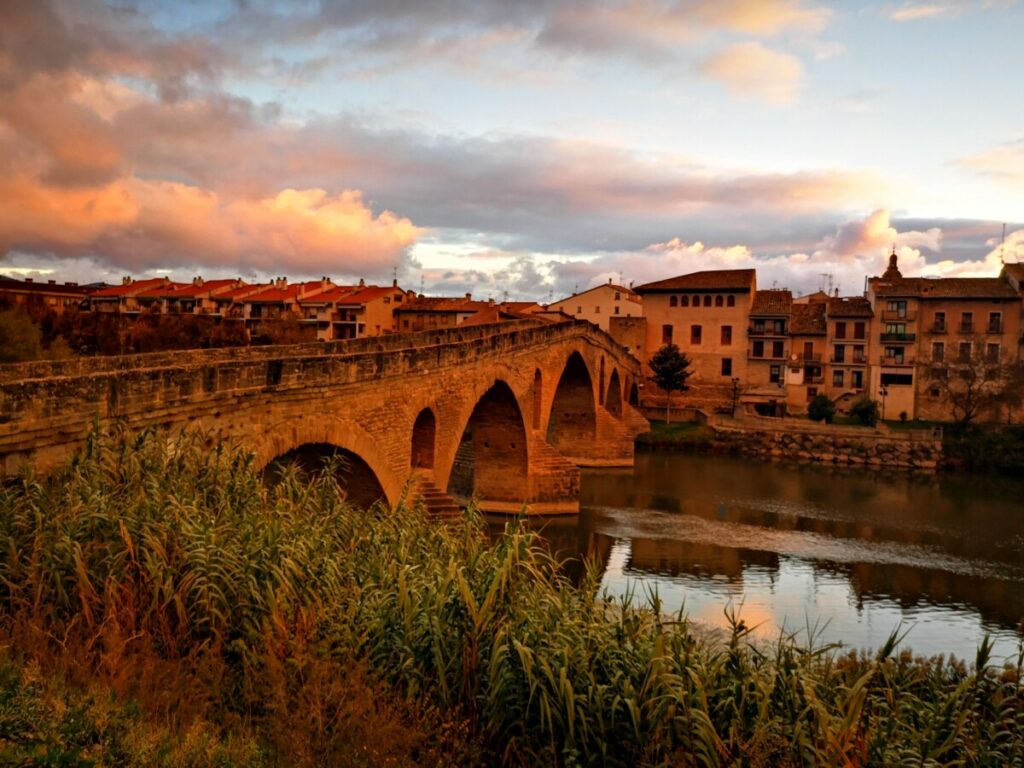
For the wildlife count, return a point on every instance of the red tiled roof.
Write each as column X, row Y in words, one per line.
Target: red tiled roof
column 11, row 284
column 442, row 304
column 808, row 319
column 629, row 292
column 242, row 291
column 161, row 291
column 1016, row 271
column 773, row 302
column 369, row 293
column 855, row 306
column 945, row 287
column 132, row 289
column 191, row 289
column 708, row 280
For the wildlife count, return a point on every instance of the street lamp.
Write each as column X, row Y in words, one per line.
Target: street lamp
column 883, row 392
column 735, row 395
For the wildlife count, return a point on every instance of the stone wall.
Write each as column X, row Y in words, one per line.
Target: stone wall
column 892, row 450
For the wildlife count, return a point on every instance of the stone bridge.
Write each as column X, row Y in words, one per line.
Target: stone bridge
column 503, row 413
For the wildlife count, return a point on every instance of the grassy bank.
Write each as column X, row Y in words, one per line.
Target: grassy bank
column 683, row 435
column 160, row 605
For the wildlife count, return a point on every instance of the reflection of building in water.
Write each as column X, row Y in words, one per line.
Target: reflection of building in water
column 570, row 540
column 999, row 601
column 688, row 558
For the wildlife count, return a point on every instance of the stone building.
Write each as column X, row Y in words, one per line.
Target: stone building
column 600, row 304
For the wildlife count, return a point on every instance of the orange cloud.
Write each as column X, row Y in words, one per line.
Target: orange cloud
column 750, row 69
column 762, row 17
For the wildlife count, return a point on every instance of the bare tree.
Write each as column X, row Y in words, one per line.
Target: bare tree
column 975, row 379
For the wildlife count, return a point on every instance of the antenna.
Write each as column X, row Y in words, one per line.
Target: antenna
column 1002, row 246
column 394, row 273
column 421, row 283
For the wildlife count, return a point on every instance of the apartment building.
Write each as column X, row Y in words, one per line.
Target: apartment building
column 425, row 313
column 30, row 294
column 600, row 304
column 769, row 342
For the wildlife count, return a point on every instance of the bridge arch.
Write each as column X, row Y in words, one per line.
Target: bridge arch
column 345, row 436
column 424, row 437
column 492, row 460
column 613, row 400
column 573, row 419
column 361, row 485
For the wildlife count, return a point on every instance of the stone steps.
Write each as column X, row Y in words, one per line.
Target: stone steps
column 438, row 504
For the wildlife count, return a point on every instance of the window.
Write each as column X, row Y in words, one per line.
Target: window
column 405, row 323
column 696, row 301
column 684, row 301
column 759, row 349
column 812, row 392
column 727, row 366
column 859, row 330
column 992, row 353
column 808, row 350
column 719, row 301
column 777, row 349
column 707, row 301
column 995, row 322
column 966, row 322
column 618, row 296
column 840, row 354
column 897, row 379
column 730, row 301
column 938, row 351
column 579, row 310
column 597, row 310
column 894, row 355
column 934, row 392
column 666, row 334
column 726, row 335
column 617, row 310
column 896, row 329
column 840, row 330
column 858, row 353
column 837, row 378
column 857, row 379
column 695, row 331
column 775, row 374
column 673, row 301
column 898, row 308
column 387, row 299
column 965, row 352
column 940, row 322
column 779, row 327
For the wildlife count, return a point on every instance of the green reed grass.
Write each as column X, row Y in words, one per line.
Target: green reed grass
column 161, row 542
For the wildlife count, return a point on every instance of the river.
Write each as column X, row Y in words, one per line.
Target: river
column 844, row 555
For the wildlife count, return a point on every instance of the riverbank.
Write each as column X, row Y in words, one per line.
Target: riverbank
column 155, row 592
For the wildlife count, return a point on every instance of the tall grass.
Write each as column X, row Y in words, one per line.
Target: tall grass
column 265, row 603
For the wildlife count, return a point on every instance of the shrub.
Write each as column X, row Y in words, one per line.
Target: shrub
column 821, row 409
column 865, row 411
column 904, row 416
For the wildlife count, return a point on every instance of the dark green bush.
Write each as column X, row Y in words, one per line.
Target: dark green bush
column 821, row 409
column 865, row 411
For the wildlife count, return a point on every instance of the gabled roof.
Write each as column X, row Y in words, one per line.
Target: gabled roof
column 708, row 280
column 808, row 319
column 772, row 302
column 1016, row 271
column 12, row 284
column 131, row 289
column 945, row 287
column 629, row 293
column 442, row 304
column 368, row 293
column 191, row 290
column 854, row 306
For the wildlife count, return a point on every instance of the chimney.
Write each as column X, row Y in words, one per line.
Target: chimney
column 609, row 281
column 28, row 279
column 362, row 283
column 394, row 282
column 325, row 282
column 126, row 280
column 52, row 282
column 197, row 282
column 469, row 297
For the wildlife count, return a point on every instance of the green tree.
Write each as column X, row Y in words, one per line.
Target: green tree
column 20, row 338
column 671, row 369
column 821, row 409
column 865, row 411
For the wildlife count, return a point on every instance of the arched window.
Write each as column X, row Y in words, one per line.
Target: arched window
column 684, row 301
column 672, row 301
column 719, row 301
column 707, row 301
column 730, row 301
column 696, row 301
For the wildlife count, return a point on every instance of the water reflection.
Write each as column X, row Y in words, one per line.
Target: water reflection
column 804, row 546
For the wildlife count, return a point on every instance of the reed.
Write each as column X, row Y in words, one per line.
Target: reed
column 269, row 601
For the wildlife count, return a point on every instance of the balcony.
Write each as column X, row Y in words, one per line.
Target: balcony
column 938, row 328
column 807, row 357
column 814, row 379
column 767, row 355
column 899, row 337
column 895, row 315
column 896, row 361
column 844, row 360
column 766, row 331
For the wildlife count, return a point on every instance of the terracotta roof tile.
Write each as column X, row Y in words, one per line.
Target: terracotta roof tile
column 853, row 306
column 945, row 287
column 132, row 289
column 708, row 280
column 442, row 304
column 1016, row 271
column 808, row 319
column 774, row 302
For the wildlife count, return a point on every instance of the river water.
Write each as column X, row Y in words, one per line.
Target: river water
column 845, row 555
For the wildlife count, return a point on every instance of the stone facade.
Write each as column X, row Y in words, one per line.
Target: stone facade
column 511, row 389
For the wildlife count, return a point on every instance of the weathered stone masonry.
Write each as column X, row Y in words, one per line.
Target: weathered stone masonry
column 510, row 389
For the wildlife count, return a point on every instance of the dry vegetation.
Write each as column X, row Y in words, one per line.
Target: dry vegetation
column 162, row 606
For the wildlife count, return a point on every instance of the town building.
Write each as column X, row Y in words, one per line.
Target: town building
column 600, row 304
column 426, row 313
column 30, row 294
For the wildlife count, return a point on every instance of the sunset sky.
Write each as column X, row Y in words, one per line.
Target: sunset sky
column 523, row 148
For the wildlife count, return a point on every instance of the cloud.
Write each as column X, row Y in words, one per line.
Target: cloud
column 750, row 69
column 1005, row 162
column 763, row 17
column 914, row 12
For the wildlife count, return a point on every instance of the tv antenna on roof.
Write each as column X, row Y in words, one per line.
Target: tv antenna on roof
column 828, row 281
column 1002, row 246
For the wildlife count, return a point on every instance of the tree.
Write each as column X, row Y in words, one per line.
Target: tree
column 975, row 382
column 866, row 411
column 20, row 339
column 671, row 370
column 821, row 409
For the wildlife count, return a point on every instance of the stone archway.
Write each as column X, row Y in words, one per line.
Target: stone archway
column 491, row 463
column 360, row 483
column 634, row 395
column 424, row 434
column 573, row 420
column 613, row 400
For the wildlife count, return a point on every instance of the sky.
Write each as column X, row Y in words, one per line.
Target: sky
column 519, row 149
